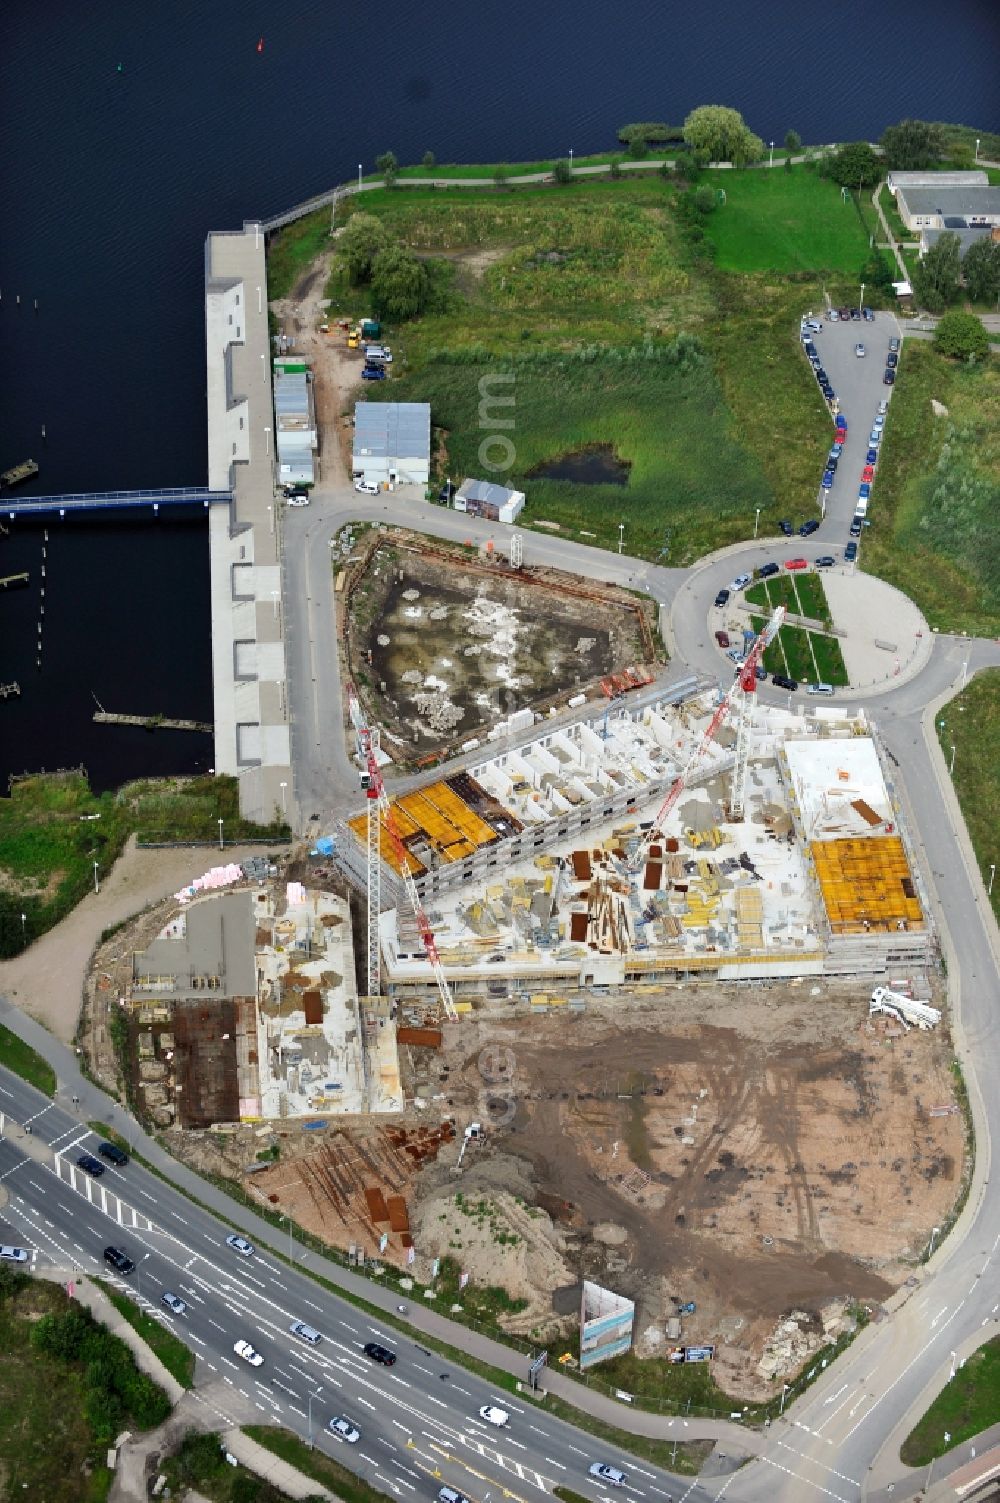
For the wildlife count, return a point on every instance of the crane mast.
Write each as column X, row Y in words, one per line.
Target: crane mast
column 380, row 815
column 741, row 691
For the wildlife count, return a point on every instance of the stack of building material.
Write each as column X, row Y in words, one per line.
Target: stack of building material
column 749, row 919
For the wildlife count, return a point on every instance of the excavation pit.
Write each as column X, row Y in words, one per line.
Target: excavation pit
column 444, row 646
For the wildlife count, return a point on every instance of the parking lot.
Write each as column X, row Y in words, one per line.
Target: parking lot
column 858, row 385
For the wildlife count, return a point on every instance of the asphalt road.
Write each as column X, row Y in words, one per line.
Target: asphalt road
column 840, row 1440
column 419, row 1420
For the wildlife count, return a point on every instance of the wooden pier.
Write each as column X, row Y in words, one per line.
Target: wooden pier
column 152, row 722
column 14, row 579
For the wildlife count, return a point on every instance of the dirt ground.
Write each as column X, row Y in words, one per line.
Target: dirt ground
column 336, row 369
column 773, row 1150
column 47, row 980
column 447, row 646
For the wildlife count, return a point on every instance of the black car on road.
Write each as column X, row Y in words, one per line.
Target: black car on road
column 379, row 1353
column 118, row 1260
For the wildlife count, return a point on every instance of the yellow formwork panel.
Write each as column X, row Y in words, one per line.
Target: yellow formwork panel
column 457, row 810
column 866, row 884
column 429, row 819
column 458, row 851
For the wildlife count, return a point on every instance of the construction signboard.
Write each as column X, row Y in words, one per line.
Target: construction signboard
column 606, row 1321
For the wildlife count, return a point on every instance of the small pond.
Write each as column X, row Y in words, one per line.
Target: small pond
column 597, row 464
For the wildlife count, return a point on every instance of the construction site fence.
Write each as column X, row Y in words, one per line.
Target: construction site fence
column 206, row 844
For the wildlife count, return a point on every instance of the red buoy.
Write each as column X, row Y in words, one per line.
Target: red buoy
column 260, row 44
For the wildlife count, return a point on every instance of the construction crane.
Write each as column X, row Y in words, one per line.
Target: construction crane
column 380, row 815
column 741, row 694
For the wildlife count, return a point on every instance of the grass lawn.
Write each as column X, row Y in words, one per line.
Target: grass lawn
column 199, row 1464
column 784, row 221
column 48, row 848
column 966, row 1405
column 346, row 1485
column 812, row 598
column 24, row 1061
column 971, row 723
column 45, row 1440
column 289, row 253
column 936, row 530
column 829, row 660
column 175, row 1356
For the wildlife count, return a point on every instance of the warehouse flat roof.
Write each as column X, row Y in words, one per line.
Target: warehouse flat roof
column 387, row 429
column 968, row 202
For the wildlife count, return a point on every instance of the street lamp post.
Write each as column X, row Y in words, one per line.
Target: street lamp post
column 138, row 1275
column 862, row 294
column 951, row 768
column 220, row 835
column 784, row 1390
column 571, row 159
column 621, row 535
column 267, row 443
column 977, row 148
column 97, row 885
column 771, row 162
column 993, row 872
column 284, row 806
column 311, row 1397
column 756, row 520
column 953, row 1361
column 935, row 1232
column 359, row 177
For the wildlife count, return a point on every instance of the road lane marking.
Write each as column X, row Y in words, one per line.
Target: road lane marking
column 552, row 1462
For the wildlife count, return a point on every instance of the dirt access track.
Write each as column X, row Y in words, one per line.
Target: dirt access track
column 753, row 1150
column 444, row 642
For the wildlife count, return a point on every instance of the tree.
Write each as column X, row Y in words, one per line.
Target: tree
column 428, row 161
column 500, row 176
column 360, row 242
column 686, row 166
column 615, row 167
column 399, row 283
column 875, row 272
column 854, row 165
column 562, row 172
column 981, row 270
column 912, row 145
column 704, row 199
column 653, row 132
column 962, row 336
column 723, row 134
column 387, row 162
column 935, row 276
column 793, row 141
column 637, row 149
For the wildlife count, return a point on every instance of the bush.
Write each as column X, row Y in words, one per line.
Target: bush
column 399, row 284
column 704, row 199
column 615, row 167
column 562, row 172
column 115, row 1390
column 428, row 161
column 793, row 141
column 637, row 149
column 653, row 132
column 853, row 166
column 500, row 176
column 962, row 336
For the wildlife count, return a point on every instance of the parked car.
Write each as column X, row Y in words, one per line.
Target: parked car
column 248, row 1353
column 878, row 421
column 828, row 479
column 859, row 350
column 864, row 491
column 808, row 528
column 892, row 361
column 814, row 324
column 343, row 1427
column 786, row 527
column 845, row 315
column 856, row 315
column 841, row 422
column 796, row 563
column 767, row 571
column 833, row 315
column 13, row 1254
column 851, row 552
column 610, row 1474
column 173, row 1302
column 367, row 487
column 875, row 437
column 740, row 582
column 119, row 1261
column 856, row 525
column 379, row 1353
column 240, row 1245
column 826, row 562
column 722, row 598
column 782, row 681
column 113, row 1154
column 840, row 435
column 90, row 1165
column 820, row 374
column 883, row 407
column 833, row 458
column 889, row 377
column 493, row 1415
column 373, row 373
column 868, row 315
column 894, row 345
column 868, row 474
column 722, row 637
column 871, row 457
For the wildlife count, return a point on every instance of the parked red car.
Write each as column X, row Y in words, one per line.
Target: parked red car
column 722, row 637
column 796, row 563
column 868, row 474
